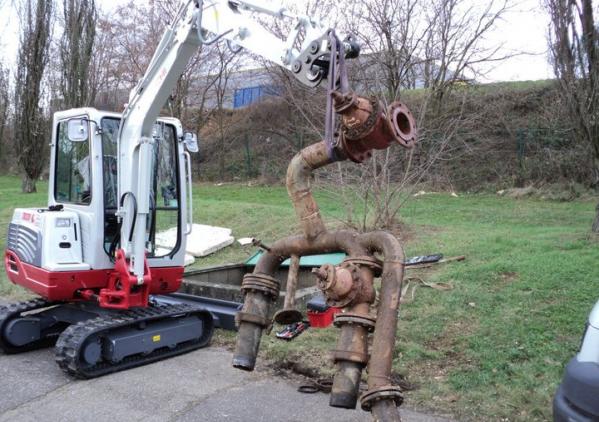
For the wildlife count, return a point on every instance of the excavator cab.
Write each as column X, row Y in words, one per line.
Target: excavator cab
column 84, row 179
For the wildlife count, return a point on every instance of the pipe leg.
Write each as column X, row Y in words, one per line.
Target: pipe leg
column 346, row 385
column 385, row 411
column 382, row 398
column 350, row 356
column 252, row 320
column 261, row 291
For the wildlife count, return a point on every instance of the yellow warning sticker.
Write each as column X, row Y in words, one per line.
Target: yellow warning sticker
column 156, row 338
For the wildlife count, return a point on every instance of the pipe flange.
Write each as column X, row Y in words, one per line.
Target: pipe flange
column 325, row 284
column 263, row 283
column 376, row 265
column 251, row 318
column 400, row 118
column 324, row 276
column 367, row 127
column 287, row 316
column 387, row 392
column 365, row 321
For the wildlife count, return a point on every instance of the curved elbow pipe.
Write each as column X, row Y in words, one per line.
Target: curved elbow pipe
column 299, row 174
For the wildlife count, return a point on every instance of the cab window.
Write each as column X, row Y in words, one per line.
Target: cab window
column 163, row 231
column 163, row 221
column 72, row 181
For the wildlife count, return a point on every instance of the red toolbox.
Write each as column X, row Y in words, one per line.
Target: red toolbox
column 320, row 314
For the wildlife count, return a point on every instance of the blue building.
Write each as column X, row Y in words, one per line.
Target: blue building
column 244, row 96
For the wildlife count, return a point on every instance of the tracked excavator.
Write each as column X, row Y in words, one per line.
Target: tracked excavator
column 115, row 181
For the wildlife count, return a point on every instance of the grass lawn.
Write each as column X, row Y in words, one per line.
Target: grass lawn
column 494, row 347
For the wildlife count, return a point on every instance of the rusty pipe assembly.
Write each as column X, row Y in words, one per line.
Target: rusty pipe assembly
column 365, row 126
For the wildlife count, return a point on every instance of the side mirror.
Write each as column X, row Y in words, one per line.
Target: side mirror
column 77, row 130
column 191, row 142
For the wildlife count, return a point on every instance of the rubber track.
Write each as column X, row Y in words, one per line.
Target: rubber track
column 70, row 342
column 13, row 310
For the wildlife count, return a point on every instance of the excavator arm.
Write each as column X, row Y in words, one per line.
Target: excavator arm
column 305, row 52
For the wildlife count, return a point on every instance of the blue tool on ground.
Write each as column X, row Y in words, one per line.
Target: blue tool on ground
column 424, row 259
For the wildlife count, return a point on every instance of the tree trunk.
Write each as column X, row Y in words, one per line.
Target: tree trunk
column 595, row 228
column 221, row 160
column 28, row 185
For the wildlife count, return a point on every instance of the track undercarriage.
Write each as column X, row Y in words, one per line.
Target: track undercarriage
column 91, row 341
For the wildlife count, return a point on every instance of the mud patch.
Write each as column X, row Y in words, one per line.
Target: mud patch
column 509, row 276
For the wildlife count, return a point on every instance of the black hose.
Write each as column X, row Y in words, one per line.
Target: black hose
column 121, row 202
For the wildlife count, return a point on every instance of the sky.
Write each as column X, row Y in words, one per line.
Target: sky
column 522, row 30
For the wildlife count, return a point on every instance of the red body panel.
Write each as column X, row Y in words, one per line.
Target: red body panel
column 122, row 291
column 63, row 285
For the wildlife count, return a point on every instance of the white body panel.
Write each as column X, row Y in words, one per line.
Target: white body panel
column 60, row 248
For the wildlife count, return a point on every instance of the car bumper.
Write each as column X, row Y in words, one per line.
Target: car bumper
column 577, row 398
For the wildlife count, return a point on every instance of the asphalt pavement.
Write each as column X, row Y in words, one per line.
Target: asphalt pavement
column 198, row 386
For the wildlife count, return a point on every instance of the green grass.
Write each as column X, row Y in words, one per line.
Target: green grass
column 492, row 348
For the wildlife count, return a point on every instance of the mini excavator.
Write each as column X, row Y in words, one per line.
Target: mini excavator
column 115, row 180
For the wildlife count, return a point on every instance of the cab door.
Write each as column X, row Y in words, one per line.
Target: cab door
column 164, row 237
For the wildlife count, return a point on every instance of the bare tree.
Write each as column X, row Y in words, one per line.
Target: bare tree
column 456, row 45
column 4, row 107
column 573, row 39
column 125, row 41
column 226, row 65
column 413, row 44
column 76, row 48
column 30, row 123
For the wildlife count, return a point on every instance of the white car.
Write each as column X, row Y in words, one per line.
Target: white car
column 577, row 398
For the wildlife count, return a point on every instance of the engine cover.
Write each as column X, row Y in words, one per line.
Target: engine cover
column 47, row 239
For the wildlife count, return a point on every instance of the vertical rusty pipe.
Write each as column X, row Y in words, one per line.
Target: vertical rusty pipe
column 385, row 410
column 249, row 332
column 382, row 397
column 291, row 286
column 289, row 315
column 346, row 382
column 260, row 291
column 350, row 356
column 299, row 173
